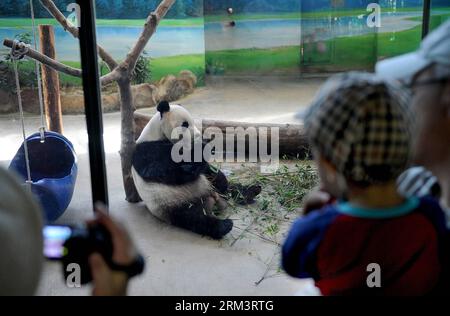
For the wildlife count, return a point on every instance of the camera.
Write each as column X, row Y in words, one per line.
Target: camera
column 74, row 244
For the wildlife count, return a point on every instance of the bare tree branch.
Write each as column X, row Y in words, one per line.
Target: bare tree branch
column 56, row 13
column 106, row 79
column 111, row 77
column 126, row 67
column 149, row 29
column 46, row 60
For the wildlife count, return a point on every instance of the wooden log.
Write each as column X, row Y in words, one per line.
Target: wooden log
column 50, row 81
column 292, row 138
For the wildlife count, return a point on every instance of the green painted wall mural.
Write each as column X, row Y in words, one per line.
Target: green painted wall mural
column 293, row 37
column 243, row 37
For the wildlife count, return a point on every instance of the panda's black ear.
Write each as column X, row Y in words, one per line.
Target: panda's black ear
column 163, row 107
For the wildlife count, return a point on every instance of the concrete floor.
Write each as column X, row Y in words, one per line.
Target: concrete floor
column 180, row 262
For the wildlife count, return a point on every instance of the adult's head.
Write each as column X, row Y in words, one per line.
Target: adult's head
column 20, row 237
column 427, row 72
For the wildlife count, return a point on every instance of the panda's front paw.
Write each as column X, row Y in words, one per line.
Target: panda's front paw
column 221, row 204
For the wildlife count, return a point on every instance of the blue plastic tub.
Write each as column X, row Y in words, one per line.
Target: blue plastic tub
column 53, row 166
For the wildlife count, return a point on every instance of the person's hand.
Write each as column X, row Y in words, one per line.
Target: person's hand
column 315, row 200
column 107, row 282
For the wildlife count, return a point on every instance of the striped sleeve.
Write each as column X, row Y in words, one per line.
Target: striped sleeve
column 418, row 181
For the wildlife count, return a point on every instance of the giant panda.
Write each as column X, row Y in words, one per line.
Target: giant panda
column 184, row 193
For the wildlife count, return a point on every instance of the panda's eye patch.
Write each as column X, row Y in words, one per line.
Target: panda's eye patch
column 185, row 124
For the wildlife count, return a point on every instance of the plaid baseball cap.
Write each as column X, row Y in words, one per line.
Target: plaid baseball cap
column 362, row 125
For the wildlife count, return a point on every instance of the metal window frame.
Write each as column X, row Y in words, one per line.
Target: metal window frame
column 92, row 100
column 426, row 17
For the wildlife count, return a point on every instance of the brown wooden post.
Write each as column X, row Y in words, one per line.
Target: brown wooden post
column 292, row 137
column 50, row 81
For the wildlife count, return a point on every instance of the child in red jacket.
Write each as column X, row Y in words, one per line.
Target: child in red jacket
column 377, row 242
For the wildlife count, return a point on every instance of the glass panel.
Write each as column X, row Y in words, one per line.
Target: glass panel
column 252, row 37
column 249, row 64
column 336, row 36
column 345, row 35
column 177, row 45
column 401, row 27
column 59, row 166
column 440, row 12
column 63, row 95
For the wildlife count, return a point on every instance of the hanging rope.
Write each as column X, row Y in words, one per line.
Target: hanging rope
column 18, row 51
column 42, row 128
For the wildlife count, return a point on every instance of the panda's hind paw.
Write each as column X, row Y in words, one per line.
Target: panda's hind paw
column 223, row 228
column 245, row 194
